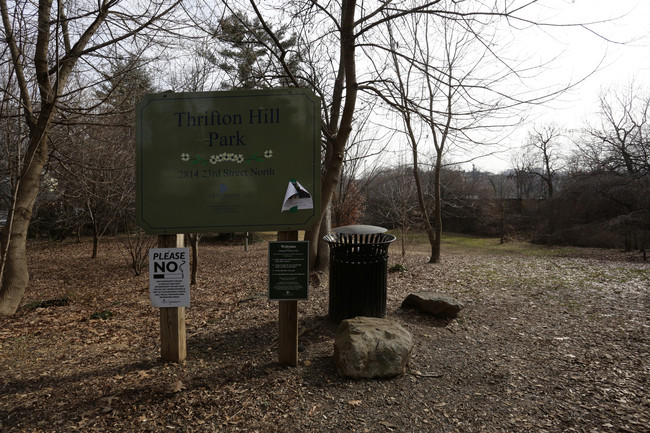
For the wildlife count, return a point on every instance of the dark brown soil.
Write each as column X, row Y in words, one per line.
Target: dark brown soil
column 550, row 341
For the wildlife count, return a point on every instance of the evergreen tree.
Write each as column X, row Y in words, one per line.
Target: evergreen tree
column 247, row 57
column 125, row 84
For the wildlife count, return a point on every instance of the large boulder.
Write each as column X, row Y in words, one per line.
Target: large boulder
column 370, row 347
column 436, row 304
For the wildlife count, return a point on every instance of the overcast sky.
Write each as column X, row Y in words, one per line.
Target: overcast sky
column 620, row 53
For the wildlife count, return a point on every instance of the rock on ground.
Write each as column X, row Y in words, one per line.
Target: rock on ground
column 436, row 304
column 370, row 347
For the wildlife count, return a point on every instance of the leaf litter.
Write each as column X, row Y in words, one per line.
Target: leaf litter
column 545, row 343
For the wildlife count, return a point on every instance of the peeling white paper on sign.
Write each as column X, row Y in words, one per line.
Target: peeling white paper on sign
column 296, row 198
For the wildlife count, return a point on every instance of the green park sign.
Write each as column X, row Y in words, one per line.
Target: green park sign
column 288, row 270
column 228, row 161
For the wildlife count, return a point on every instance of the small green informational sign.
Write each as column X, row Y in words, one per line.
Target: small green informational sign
column 288, row 270
column 228, row 161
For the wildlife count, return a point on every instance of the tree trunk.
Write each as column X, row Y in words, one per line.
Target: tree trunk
column 95, row 244
column 502, row 224
column 403, row 238
column 346, row 82
column 628, row 241
column 437, row 213
column 432, row 234
column 333, row 167
column 322, row 261
column 95, row 225
column 49, row 68
column 194, row 246
column 15, row 275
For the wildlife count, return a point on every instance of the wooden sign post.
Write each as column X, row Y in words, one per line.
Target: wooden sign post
column 288, row 320
column 288, row 333
column 172, row 319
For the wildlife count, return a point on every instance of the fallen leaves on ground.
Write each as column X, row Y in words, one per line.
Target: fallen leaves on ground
column 546, row 342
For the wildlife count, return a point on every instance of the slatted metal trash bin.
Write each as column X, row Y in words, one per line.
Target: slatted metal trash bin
column 358, row 271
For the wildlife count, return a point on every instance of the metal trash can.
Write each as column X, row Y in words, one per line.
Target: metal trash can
column 358, row 271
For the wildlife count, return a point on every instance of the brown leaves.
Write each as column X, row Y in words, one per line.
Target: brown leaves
column 425, row 374
column 572, row 359
column 176, row 386
column 143, row 374
column 107, row 402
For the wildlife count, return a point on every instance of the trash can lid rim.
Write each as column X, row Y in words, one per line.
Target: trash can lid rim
column 351, row 240
column 359, row 229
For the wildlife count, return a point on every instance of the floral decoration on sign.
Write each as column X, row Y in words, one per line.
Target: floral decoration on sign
column 226, row 157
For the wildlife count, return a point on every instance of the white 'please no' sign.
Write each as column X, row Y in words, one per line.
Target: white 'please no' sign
column 169, row 277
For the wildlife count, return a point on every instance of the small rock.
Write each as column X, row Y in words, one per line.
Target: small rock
column 436, row 304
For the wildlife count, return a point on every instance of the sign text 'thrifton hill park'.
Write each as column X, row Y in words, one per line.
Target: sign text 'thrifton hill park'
column 260, row 116
column 228, row 161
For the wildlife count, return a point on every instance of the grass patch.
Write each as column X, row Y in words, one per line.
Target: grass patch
column 572, row 306
column 492, row 246
column 467, row 244
column 396, row 268
column 104, row 315
column 61, row 302
column 273, row 236
column 632, row 274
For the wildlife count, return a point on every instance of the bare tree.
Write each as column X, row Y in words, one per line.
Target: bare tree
column 392, row 200
column 332, row 38
column 440, row 88
column 526, row 185
column 620, row 143
column 94, row 170
column 329, row 68
column 609, row 186
column 48, row 43
column 360, row 166
column 545, row 156
column 329, row 36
